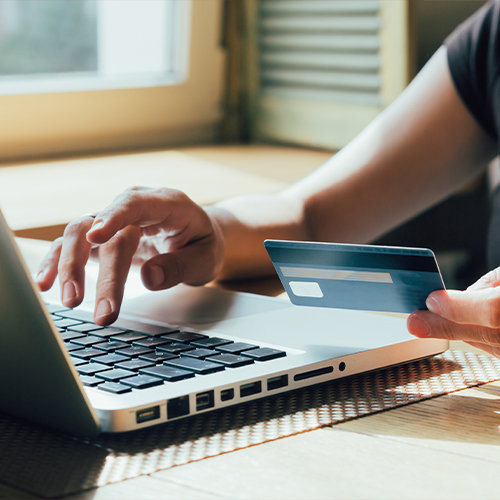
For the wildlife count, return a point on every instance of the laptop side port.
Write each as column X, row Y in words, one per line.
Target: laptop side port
column 313, row 373
column 277, row 382
column 147, row 414
column 250, row 389
column 226, row 394
column 178, row 407
column 204, row 400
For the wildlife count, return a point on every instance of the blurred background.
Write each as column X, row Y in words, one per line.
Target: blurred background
column 90, row 77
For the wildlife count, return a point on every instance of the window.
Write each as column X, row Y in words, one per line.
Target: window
column 59, row 45
column 108, row 75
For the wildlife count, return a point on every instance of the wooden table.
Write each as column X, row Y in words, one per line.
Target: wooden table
column 447, row 447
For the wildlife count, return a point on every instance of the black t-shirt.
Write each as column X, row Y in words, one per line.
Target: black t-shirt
column 474, row 61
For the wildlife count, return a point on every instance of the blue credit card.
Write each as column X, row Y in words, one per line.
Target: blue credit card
column 362, row 277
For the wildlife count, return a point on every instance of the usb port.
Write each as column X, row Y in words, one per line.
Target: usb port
column 204, row 400
column 250, row 389
column 277, row 382
column 178, row 407
column 226, row 394
column 148, row 414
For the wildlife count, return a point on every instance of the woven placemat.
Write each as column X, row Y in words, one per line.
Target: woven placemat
column 51, row 464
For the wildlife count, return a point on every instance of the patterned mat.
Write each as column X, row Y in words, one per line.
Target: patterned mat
column 51, row 464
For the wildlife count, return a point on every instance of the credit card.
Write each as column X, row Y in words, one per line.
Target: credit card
column 362, row 277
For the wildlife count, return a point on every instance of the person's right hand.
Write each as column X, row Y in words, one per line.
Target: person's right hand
column 172, row 238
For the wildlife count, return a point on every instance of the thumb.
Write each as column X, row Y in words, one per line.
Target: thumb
column 471, row 307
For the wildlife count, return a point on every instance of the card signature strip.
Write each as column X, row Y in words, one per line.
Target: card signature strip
column 335, row 274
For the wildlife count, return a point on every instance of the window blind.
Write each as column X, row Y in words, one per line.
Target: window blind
column 326, row 67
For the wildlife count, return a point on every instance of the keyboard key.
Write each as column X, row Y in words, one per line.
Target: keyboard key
column 87, row 353
column 211, row 342
column 91, row 381
column 200, row 353
column 77, row 361
column 72, row 347
column 231, row 360
column 67, row 335
column 52, row 308
column 196, row 365
column 81, row 315
column 142, row 381
column 110, row 359
column 175, row 347
column 111, row 345
column 87, row 340
column 236, row 347
column 264, row 354
column 134, row 351
column 128, row 337
column 85, row 328
column 91, row 368
column 134, row 364
column 158, row 357
column 145, row 328
column 65, row 322
column 114, row 387
column 115, row 374
column 184, row 336
column 168, row 373
column 108, row 332
column 151, row 342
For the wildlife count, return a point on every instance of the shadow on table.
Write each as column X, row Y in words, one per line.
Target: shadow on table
column 51, row 464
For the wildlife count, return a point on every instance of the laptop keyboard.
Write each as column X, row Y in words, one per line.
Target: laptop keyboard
column 119, row 360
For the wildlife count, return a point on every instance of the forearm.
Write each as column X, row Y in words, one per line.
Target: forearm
column 422, row 148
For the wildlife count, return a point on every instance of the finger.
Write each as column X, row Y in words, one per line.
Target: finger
column 424, row 324
column 155, row 209
column 196, row 264
column 115, row 258
column 75, row 253
column 47, row 271
column 476, row 307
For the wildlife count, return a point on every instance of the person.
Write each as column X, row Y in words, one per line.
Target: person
column 436, row 136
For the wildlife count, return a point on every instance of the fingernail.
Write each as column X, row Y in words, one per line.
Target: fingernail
column 40, row 276
column 103, row 308
column 418, row 327
column 157, row 276
column 433, row 305
column 97, row 225
column 69, row 291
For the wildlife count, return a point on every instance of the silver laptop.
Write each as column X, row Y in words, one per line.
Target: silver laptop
column 175, row 353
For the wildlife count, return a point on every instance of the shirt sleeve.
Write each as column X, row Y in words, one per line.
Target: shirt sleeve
column 473, row 50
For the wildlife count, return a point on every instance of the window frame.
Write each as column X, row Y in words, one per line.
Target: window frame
column 61, row 123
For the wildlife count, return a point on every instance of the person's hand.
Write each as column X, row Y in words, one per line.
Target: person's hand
column 162, row 230
column 472, row 315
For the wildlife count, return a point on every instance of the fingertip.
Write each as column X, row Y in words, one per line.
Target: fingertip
column 105, row 313
column 95, row 231
column 417, row 326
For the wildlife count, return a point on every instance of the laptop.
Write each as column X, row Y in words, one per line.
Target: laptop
column 175, row 353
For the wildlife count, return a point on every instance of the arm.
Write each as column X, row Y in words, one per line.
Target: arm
column 423, row 147
column 419, row 150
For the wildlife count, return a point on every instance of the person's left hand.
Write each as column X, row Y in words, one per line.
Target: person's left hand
column 472, row 315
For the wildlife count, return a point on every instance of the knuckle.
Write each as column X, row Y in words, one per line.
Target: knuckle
column 76, row 227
